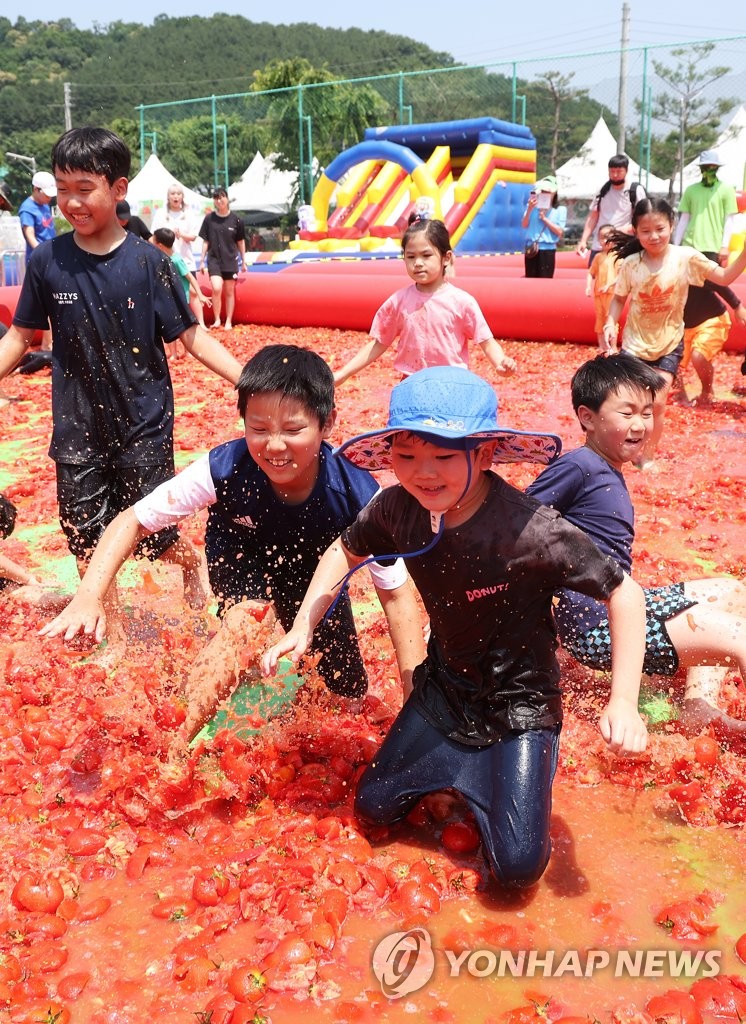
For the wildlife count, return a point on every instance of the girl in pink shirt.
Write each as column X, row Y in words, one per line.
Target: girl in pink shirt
column 433, row 320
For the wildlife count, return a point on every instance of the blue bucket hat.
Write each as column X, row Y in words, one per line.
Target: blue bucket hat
column 452, row 408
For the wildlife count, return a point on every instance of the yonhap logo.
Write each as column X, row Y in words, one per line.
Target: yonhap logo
column 404, row 962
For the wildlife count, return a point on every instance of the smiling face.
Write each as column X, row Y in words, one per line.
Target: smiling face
column 425, row 264
column 618, row 430
column 441, row 479
column 654, row 232
column 89, row 203
column 284, row 439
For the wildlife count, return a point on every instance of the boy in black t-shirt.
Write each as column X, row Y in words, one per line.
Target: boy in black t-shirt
column 112, row 301
column 485, row 714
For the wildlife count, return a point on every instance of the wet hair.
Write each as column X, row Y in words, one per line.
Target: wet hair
column 295, row 372
column 434, row 231
column 594, row 381
column 7, row 516
column 95, row 150
column 165, row 236
column 625, row 245
column 620, row 160
column 220, row 191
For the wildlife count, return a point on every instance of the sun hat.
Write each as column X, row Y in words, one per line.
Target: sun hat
column 45, row 181
column 5, row 203
column 452, row 408
column 710, row 158
column 547, row 184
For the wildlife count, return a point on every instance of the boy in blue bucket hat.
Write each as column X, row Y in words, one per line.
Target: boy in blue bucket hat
column 485, row 713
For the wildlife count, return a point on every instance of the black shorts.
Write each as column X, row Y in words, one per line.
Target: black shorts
column 91, row 495
column 213, row 270
column 669, row 363
column 593, row 648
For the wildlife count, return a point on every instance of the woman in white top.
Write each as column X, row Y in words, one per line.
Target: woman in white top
column 175, row 215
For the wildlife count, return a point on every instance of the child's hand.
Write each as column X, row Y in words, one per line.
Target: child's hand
column 84, row 615
column 294, row 644
column 205, row 300
column 610, row 332
column 506, row 365
column 588, row 290
column 623, row 728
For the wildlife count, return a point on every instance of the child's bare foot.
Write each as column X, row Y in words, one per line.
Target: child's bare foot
column 228, row 325
column 704, row 399
column 194, row 592
column 216, row 326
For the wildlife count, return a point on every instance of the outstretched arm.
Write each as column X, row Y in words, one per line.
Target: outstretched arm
column 86, row 613
column 367, row 354
column 208, row 351
column 13, row 347
column 321, row 591
column 621, row 725
column 724, row 275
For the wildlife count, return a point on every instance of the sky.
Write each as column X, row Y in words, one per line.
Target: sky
column 472, row 31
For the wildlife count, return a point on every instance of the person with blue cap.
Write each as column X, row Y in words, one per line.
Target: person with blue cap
column 485, row 713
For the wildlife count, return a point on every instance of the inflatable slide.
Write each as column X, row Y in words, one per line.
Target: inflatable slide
column 476, row 173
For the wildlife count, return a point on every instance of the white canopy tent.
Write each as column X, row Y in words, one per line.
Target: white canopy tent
column 263, row 194
column 147, row 191
column 583, row 175
column 731, row 147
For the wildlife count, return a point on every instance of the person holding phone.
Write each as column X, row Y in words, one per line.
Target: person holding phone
column 545, row 220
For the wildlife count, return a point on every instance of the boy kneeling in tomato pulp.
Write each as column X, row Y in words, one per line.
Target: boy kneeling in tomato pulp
column 277, row 497
column 485, row 714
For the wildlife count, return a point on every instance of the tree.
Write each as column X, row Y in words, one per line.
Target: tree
column 557, row 88
column 694, row 116
column 337, row 115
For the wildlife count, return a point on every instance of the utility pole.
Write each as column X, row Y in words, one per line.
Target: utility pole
column 622, row 111
column 68, row 107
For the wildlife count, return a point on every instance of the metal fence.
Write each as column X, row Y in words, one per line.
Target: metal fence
column 530, row 91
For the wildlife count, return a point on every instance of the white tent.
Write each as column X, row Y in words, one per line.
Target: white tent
column 731, row 146
column 583, row 175
column 263, row 192
column 147, row 191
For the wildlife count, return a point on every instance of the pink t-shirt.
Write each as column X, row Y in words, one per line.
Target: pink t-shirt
column 433, row 328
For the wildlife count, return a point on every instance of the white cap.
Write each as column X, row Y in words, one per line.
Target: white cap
column 45, row 181
column 710, row 158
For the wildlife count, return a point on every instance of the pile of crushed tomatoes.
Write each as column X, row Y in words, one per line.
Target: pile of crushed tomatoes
column 236, row 885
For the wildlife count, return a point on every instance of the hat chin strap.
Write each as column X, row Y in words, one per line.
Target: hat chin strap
column 437, row 525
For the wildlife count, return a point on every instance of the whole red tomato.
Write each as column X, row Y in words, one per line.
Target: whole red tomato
column 209, row 887
column 42, row 895
column 247, row 984
column 460, row 837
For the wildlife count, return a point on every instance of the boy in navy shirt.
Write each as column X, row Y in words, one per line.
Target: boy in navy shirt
column 485, row 713
column 697, row 623
column 112, row 301
column 277, row 497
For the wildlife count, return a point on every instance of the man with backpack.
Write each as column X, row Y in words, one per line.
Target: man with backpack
column 613, row 204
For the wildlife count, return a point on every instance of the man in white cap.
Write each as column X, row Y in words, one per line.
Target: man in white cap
column 37, row 222
column 706, row 211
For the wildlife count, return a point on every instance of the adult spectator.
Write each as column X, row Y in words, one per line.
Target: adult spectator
column 35, row 212
column 176, row 216
column 131, row 222
column 545, row 220
column 37, row 225
column 706, row 211
column 223, row 237
column 5, row 204
column 613, row 204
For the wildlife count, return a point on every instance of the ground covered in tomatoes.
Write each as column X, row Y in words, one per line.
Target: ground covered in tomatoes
column 236, row 885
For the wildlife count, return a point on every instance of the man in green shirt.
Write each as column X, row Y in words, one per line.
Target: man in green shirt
column 706, row 210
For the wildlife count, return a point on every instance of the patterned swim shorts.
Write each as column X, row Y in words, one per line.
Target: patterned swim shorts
column 661, row 603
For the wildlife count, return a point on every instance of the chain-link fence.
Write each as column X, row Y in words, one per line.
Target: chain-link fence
column 668, row 89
